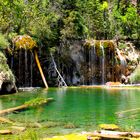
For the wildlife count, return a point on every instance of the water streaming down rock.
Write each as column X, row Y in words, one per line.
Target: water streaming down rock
column 122, row 62
column 23, row 68
column 26, row 69
column 103, row 63
column 31, row 69
column 19, row 65
column 94, row 68
column 93, row 61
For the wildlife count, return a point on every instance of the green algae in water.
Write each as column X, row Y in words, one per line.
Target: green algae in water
column 76, row 109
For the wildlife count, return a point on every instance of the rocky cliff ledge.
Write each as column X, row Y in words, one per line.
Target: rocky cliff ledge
column 96, row 62
column 7, row 79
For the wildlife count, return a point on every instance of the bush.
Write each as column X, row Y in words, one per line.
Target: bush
column 3, row 42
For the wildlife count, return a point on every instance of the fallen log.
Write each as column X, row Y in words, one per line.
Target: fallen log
column 127, row 111
column 105, row 134
column 32, row 103
column 40, row 69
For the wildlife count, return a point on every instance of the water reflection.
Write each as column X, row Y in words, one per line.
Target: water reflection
column 85, row 107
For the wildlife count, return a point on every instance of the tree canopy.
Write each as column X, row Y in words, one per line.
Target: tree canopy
column 55, row 21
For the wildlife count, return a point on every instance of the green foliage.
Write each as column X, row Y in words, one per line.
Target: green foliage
column 135, row 77
column 51, row 22
column 122, row 45
column 4, row 68
column 126, row 18
column 36, row 101
column 3, row 42
column 105, row 5
column 74, row 26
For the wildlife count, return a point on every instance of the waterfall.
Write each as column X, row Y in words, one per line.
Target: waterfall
column 26, row 69
column 103, row 63
column 31, row 70
column 19, row 67
column 122, row 61
column 93, row 60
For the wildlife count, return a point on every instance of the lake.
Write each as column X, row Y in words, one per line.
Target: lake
column 77, row 109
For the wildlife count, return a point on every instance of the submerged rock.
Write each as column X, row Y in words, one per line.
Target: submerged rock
column 7, row 79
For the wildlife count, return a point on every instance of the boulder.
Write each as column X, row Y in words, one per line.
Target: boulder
column 7, row 79
column 109, row 127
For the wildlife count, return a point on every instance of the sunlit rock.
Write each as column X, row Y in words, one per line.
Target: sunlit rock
column 7, row 80
column 109, row 126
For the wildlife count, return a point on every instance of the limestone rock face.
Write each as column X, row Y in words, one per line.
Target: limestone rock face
column 96, row 62
column 129, row 60
column 7, row 79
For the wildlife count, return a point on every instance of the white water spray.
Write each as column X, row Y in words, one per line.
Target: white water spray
column 122, row 61
column 103, row 63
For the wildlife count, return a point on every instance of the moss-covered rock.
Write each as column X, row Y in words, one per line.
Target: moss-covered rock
column 109, row 126
column 24, row 42
column 7, row 79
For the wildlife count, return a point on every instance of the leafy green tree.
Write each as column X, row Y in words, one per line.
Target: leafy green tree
column 126, row 19
column 3, row 42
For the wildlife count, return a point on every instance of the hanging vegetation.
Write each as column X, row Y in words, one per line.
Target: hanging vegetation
column 24, row 42
column 27, row 43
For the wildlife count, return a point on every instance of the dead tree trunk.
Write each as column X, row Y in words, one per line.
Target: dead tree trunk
column 40, row 69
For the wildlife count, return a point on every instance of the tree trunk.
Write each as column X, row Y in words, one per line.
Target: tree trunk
column 21, row 107
column 40, row 69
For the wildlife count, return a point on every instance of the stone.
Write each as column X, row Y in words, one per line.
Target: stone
column 5, row 132
column 7, row 79
column 109, row 127
column 113, row 84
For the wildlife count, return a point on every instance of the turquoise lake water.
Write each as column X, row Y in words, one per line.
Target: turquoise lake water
column 77, row 109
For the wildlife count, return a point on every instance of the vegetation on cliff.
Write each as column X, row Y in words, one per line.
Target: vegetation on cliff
column 6, row 75
column 56, row 24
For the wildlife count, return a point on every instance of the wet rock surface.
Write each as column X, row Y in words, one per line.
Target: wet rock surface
column 95, row 62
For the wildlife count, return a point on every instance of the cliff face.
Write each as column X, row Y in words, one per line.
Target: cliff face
column 7, row 79
column 97, row 62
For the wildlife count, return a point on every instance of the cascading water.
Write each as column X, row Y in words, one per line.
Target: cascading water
column 24, row 65
column 31, row 70
column 19, row 65
column 103, row 63
column 95, row 63
column 122, row 61
column 93, row 60
column 26, row 69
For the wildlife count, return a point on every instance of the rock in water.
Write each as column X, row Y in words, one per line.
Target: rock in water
column 5, row 132
column 109, row 127
column 7, row 79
